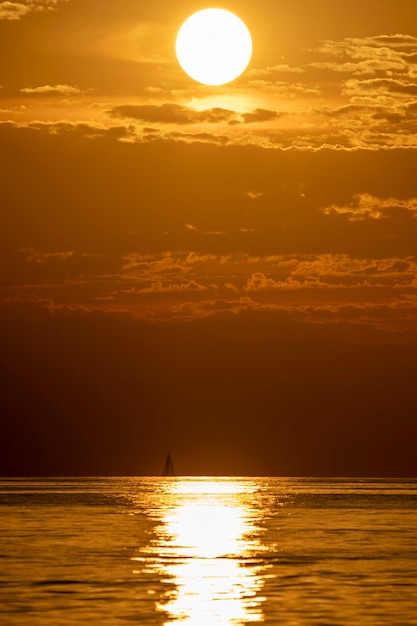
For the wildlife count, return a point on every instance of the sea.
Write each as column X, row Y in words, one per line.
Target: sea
column 208, row 551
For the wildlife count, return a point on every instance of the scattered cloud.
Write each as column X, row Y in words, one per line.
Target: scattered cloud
column 63, row 90
column 164, row 287
column 242, row 273
column 366, row 206
column 272, row 300
column 259, row 115
column 385, row 54
column 391, row 316
column 386, row 87
column 170, row 113
column 17, row 10
column 275, row 70
column 253, row 195
column 36, row 256
column 13, row 10
column 32, row 307
column 195, row 229
column 259, row 282
column 151, row 265
column 362, row 94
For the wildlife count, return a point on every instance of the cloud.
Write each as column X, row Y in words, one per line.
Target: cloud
column 195, row 229
column 364, row 121
column 259, row 115
column 355, row 88
column 31, row 307
column 259, row 282
column 287, row 89
column 372, row 54
column 365, row 320
column 36, row 256
column 64, row 90
column 161, row 287
column 402, row 42
column 13, row 10
column 193, row 258
column 170, row 113
column 244, row 273
column 253, row 195
column 150, row 266
column 217, row 139
column 17, row 10
column 391, row 316
column 366, row 206
column 385, row 63
column 374, row 81
column 275, row 70
column 82, row 130
column 212, row 308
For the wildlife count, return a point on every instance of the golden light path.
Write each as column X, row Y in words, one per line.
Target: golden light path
column 204, row 551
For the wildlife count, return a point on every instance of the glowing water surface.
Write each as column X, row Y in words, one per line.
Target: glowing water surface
column 208, row 551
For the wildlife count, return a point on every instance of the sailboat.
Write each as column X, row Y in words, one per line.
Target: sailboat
column 168, row 467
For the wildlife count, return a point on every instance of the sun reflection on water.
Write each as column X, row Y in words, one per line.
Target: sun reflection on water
column 205, row 553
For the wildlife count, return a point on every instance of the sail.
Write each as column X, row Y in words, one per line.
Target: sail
column 168, row 467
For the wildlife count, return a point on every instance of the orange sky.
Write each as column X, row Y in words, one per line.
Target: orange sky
column 279, row 208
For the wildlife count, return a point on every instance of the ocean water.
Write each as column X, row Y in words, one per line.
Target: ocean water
column 208, row 551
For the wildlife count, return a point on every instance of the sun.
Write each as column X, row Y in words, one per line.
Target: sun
column 213, row 46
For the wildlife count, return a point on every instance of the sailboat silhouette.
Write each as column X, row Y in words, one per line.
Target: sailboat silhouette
column 168, row 467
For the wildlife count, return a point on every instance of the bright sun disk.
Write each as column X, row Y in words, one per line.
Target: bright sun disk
column 213, row 46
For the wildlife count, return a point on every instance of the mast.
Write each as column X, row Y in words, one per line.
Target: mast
column 168, row 467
